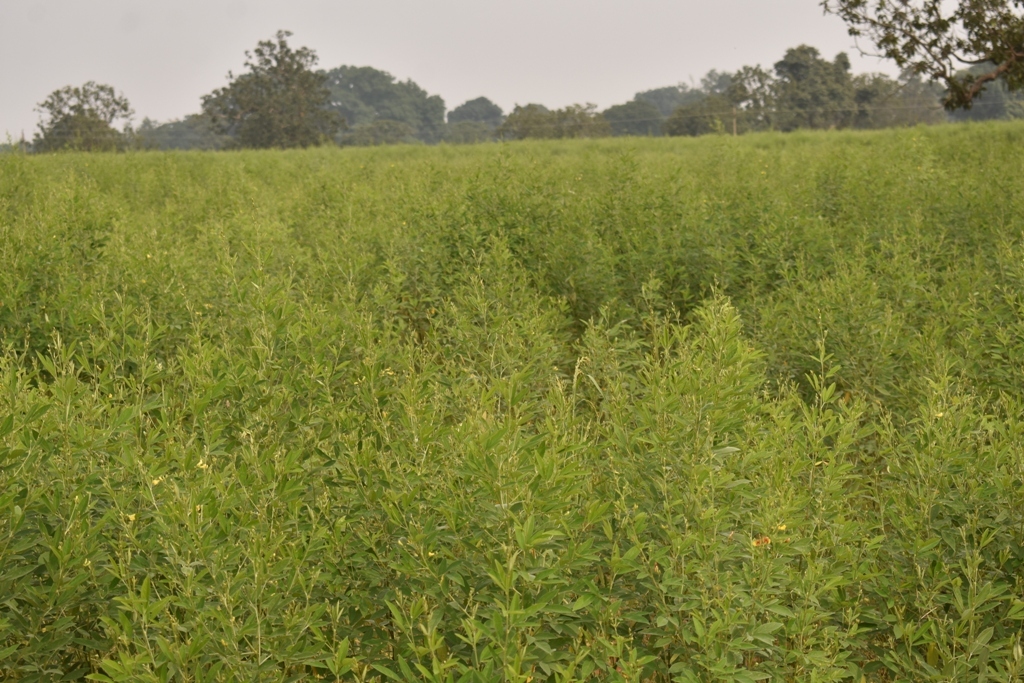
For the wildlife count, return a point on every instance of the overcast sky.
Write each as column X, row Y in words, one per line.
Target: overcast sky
column 165, row 55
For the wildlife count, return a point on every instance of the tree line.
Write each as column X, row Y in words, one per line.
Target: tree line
column 282, row 99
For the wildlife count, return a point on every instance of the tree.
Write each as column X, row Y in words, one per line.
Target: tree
column 712, row 114
column 280, row 102
column 716, row 82
column 752, row 92
column 537, row 121
column 805, row 91
column 812, row 92
column 473, row 121
column 195, row 131
column 883, row 102
column 669, row 98
column 363, row 95
column 996, row 102
column 530, row 121
column 638, row 117
column 726, row 102
column 83, row 118
column 480, row 110
column 733, row 103
column 935, row 38
column 14, row 146
column 581, row 121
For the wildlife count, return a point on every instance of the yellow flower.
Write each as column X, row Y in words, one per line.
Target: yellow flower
column 781, row 527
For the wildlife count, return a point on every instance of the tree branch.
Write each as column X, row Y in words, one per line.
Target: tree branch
column 979, row 83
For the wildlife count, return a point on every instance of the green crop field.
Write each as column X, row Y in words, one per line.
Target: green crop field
column 717, row 409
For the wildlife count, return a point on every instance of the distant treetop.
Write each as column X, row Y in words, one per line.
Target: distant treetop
column 670, row 98
column 537, row 121
column 480, row 110
column 279, row 102
column 639, row 117
column 364, row 95
column 82, row 118
column 812, row 92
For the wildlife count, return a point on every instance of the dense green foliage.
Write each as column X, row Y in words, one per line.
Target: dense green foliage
column 538, row 122
column 280, row 101
column 637, row 117
column 192, row 132
column 364, row 95
column 936, row 38
column 82, row 118
column 728, row 409
column 995, row 101
column 813, row 92
column 804, row 91
column 670, row 98
column 473, row 121
column 479, row 110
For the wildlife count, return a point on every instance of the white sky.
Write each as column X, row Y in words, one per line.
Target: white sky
column 165, row 55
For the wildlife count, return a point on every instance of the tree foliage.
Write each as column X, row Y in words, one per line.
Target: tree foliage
column 936, row 38
column 997, row 102
column 529, row 121
column 883, row 102
column 712, row 114
column 480, row 110
column 637, row 117
column 670, row 98
column 363, row 95
column 473, row 121
column 813, row 92
column 192, row 132
column 537, row 121
column 82, row 118
column 752, row 90
column 279, row 102
column 804, row 90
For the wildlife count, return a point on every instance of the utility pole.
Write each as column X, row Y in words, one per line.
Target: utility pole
column 734, row 121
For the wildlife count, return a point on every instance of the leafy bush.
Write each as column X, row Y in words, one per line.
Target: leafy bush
column 651, row 409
